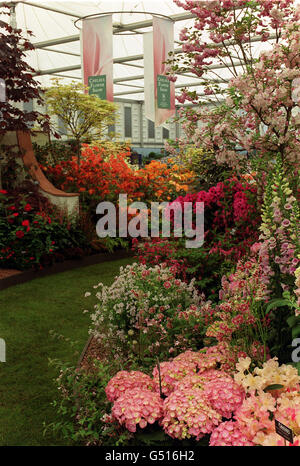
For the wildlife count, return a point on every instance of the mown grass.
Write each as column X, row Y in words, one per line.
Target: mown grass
column 27, row 313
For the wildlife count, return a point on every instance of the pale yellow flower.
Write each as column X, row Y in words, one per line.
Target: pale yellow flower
column 243, row 364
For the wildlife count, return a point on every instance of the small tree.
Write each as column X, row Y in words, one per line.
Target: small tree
column 84, row 116
column 19, row 82
column 19, row 86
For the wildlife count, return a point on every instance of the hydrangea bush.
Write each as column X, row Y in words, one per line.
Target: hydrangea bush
column 234, row 411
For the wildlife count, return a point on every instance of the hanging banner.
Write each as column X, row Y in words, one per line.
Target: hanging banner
column 97, row 56
column 149, row 96
column 164, row 90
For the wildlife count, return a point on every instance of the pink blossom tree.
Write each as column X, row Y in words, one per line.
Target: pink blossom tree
column 256, row 108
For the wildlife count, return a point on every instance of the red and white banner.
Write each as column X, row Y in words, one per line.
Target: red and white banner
column 97, row 56
column 159, row 91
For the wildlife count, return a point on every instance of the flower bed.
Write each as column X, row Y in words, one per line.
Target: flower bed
column 231, row 220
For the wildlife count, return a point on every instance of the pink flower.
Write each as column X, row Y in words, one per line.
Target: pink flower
column 124, row 380
column 229, row 434
column 286, row 222
column 137, row 406
column 187, row 413
column 225, row 396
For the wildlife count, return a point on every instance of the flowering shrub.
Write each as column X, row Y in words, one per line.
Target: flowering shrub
column 162, row 182
column 239, row 317
column 154, row 251
column 30, row 237
column 189, row 384
column 259, row 91
column 168, row 374
column 104, row 174
column 196, row 401
column 147, row 311
column 231, row 220
column 231, row 216
column 271, row 373
column 202, row 163
column 98, row 177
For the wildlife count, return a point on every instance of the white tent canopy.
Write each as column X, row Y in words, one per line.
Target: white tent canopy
column 57, row 42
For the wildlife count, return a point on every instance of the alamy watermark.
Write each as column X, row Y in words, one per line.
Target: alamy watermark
column 296, row 352
column 2, row 350
column 185, row 219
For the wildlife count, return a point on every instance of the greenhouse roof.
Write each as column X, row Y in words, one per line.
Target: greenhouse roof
column 57, row 43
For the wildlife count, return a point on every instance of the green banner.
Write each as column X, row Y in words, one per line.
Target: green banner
column 97, row 86
column 163, row 92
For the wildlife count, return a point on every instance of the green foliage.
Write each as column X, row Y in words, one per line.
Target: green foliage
column 203, row 164
column 54, row 152
column 82, row 406
column 85, row 116
column 285, row 325
column 206, row 268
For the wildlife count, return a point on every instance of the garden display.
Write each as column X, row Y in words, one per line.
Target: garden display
column 184, row 346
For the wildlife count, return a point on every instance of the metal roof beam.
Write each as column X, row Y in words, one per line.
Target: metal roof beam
column 117, row 28
column 130, row 85
column 61, row 51
column 135, row 57
column 177, row 86
column 43, row 7
column 129, row 78
column 117, row 60
column 130, row 64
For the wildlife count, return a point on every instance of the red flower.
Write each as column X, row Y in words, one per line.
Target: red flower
column 27, row 208
column 2, row 191
column 19, row 234
column 25, row 223
column 15, row 214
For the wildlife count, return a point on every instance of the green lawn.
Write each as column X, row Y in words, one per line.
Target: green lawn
column 27, row 313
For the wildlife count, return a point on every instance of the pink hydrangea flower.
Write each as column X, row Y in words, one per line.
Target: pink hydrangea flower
column 225, row 396
column 171, row 372
column 188, row 413
column 229, row 434
column 124, row 380
column 137, row 407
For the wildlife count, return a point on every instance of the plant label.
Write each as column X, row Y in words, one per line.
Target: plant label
column 284, row 431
